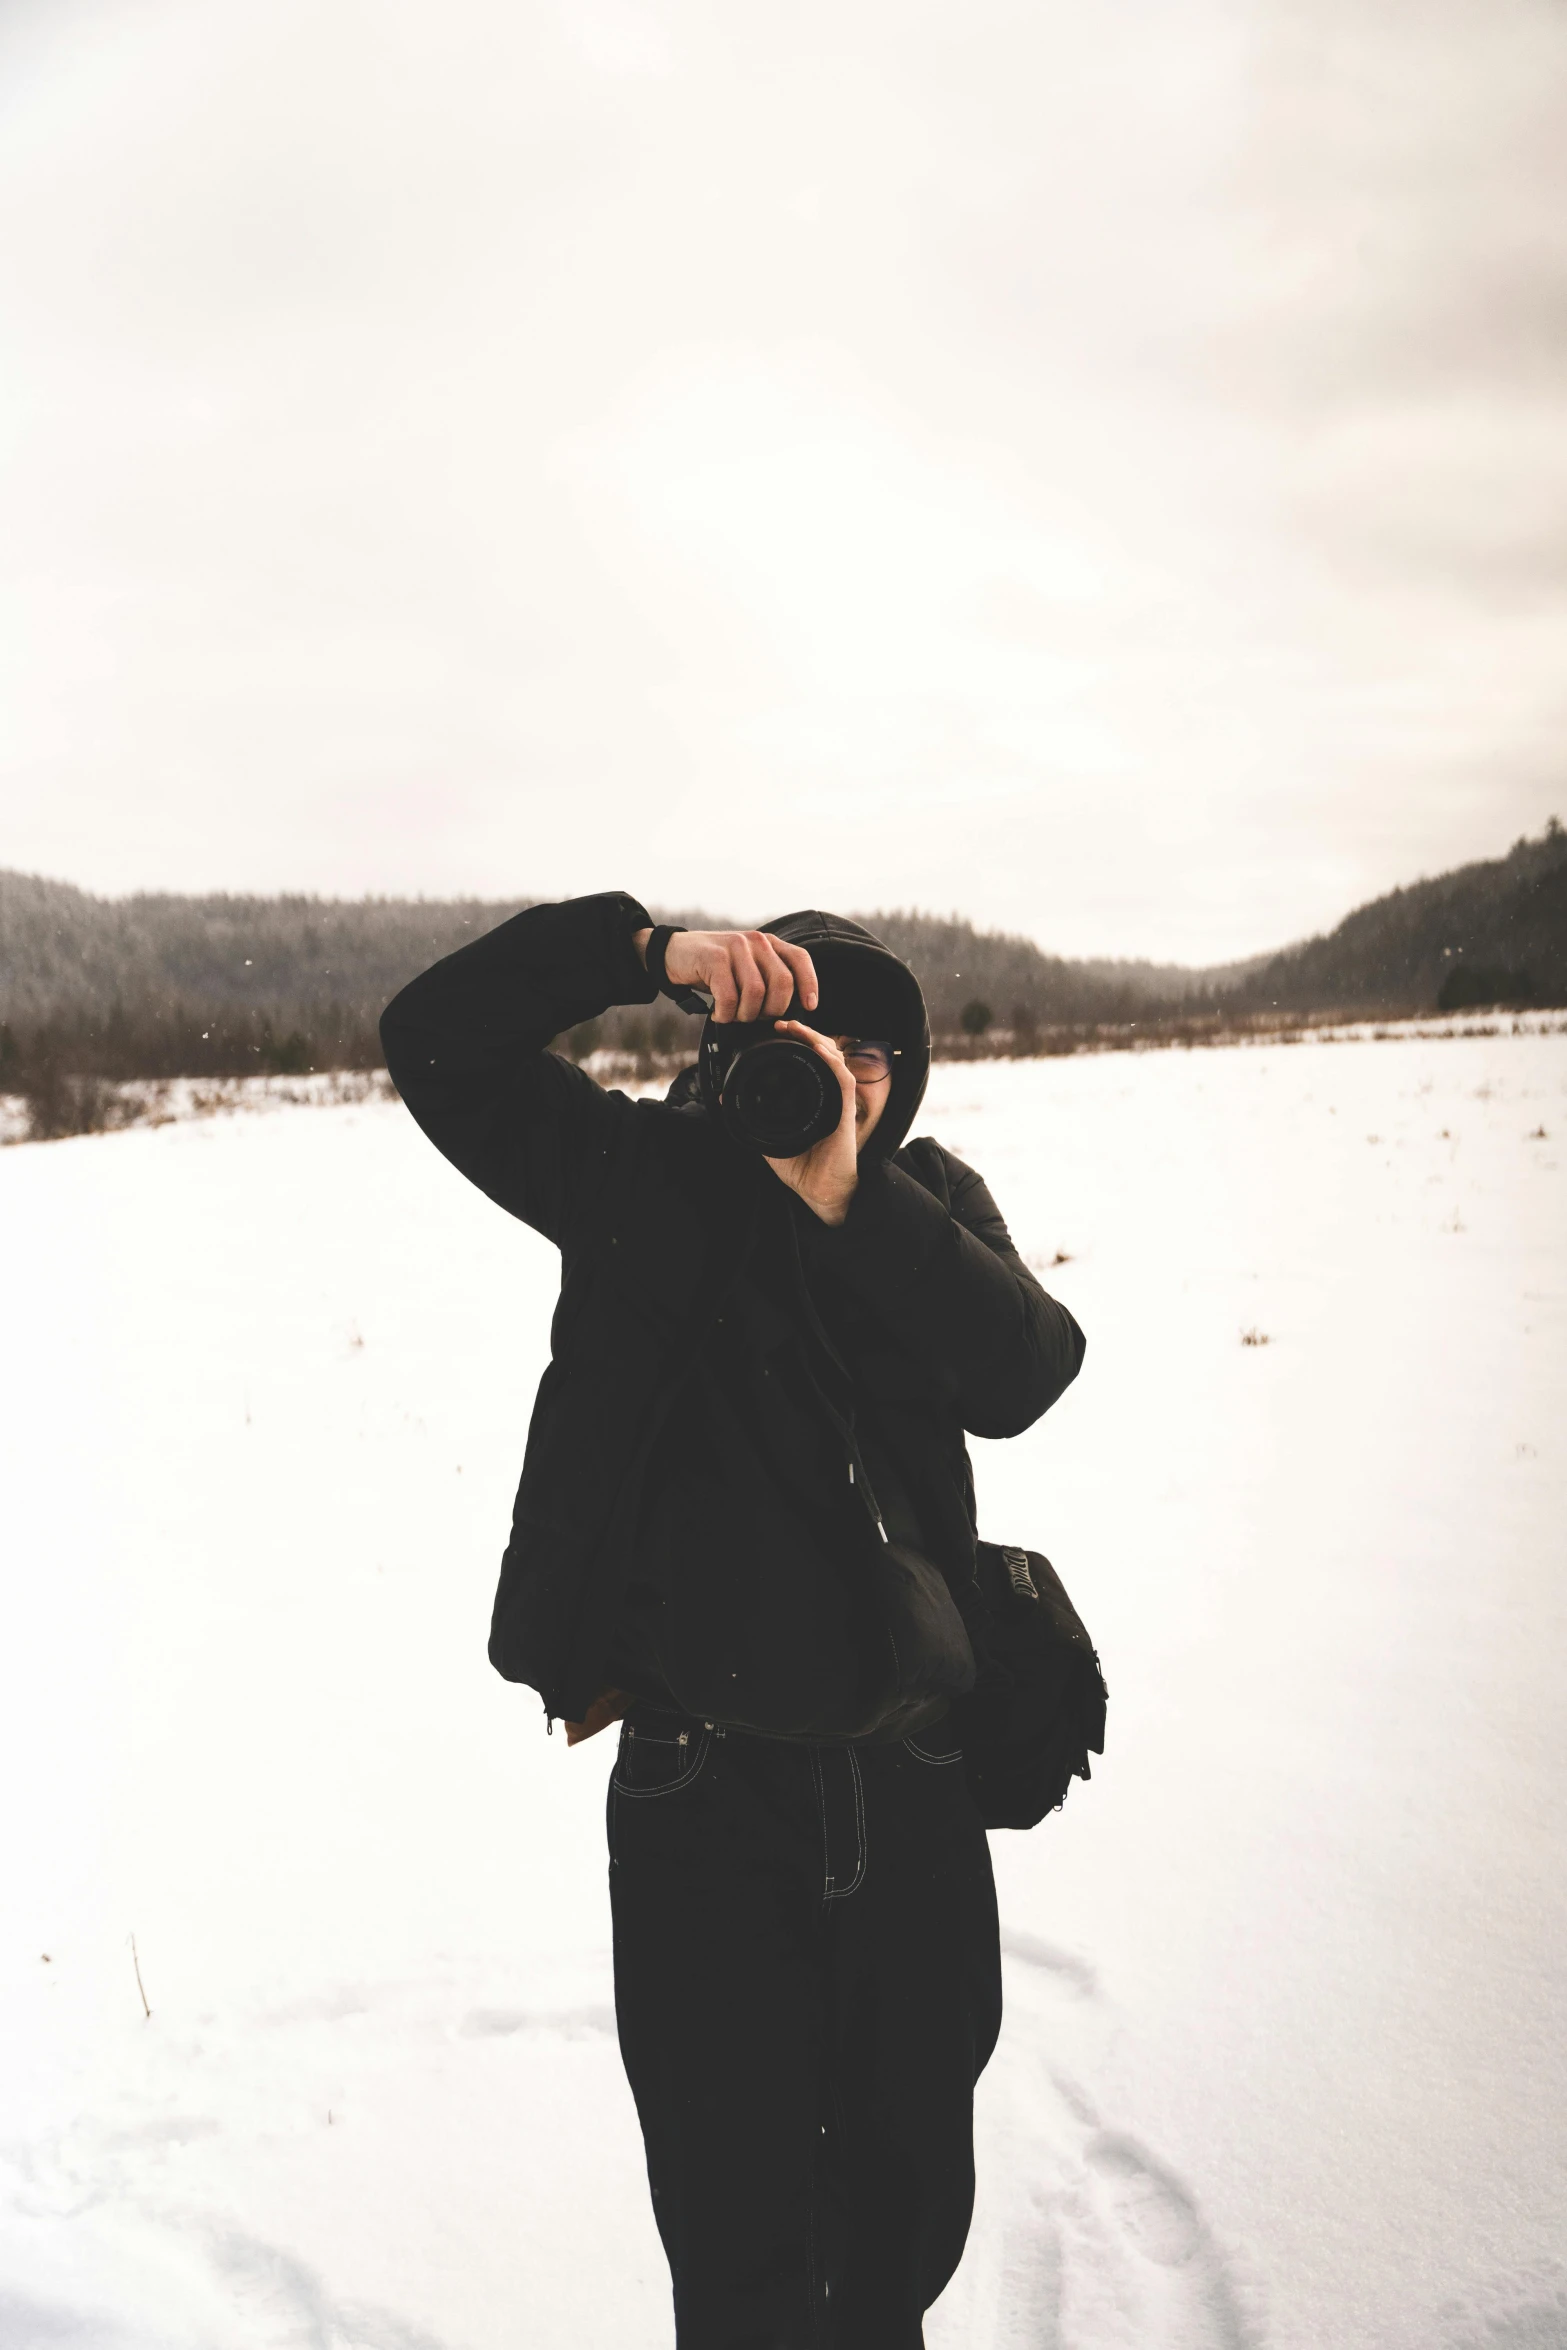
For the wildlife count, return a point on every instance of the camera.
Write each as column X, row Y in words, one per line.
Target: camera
column 773, row 1093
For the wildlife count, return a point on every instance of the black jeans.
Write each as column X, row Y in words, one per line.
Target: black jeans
column 808, row 1985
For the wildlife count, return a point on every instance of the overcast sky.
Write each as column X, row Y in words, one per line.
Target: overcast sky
column 1100, row 469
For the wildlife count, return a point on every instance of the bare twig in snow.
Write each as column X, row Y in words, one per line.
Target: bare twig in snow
column 140, row 1985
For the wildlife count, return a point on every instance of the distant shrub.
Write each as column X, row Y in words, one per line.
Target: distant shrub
column 975, row 1017
column 291, row 1058
column 641, row 1041
column 578, row 1042
column 60, row 1103
column 156, row 1043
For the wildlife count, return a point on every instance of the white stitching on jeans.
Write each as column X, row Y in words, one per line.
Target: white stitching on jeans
column 821, row 1805
column 859, row 1828
column 675, row 1785
column 940, row 1761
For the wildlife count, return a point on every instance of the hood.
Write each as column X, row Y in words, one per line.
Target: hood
column 866, row 990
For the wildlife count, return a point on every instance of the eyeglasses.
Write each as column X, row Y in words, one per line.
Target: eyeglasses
column 868, row 1059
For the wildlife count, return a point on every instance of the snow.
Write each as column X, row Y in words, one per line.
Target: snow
column 1284, row 2062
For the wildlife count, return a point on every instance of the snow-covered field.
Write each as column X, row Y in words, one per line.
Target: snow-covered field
column 1285, row 2060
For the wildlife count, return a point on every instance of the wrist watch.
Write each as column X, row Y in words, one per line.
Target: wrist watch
column 657, row 948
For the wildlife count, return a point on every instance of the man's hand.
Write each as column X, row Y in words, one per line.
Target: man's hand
column 825, row 1175
column 753, row 976
column 609, row 1706
column 749, row 974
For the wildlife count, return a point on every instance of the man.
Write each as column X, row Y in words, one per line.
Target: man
column 762, row 1370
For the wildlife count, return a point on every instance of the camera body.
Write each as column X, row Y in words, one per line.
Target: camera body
column 772, row 1093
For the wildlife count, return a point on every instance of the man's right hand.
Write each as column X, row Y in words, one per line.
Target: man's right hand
column 749, row 974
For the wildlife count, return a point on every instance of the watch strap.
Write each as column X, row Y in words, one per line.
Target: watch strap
column 657, row 948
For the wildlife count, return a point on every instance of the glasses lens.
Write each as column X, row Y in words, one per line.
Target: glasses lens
column 867, row 1058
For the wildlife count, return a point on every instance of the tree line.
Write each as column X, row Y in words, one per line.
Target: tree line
column 159, row 985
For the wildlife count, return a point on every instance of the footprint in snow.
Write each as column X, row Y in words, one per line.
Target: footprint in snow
column 1528, row 2313
column 1148, row 2271
column 1082, row 2239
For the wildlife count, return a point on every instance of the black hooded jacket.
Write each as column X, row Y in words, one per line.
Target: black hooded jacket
column 705, row 1313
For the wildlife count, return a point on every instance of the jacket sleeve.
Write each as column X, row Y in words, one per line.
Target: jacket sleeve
column 949, row 1284
column 466, row 1045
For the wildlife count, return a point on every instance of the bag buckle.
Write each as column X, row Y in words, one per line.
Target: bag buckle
column 1017, row 1569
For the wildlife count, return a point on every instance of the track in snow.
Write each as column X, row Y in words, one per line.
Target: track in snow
column 1081, row 2235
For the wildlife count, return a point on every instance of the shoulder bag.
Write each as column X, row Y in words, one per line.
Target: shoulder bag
column 1037, row 1710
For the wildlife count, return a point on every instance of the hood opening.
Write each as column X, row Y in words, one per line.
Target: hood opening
column 866, row 990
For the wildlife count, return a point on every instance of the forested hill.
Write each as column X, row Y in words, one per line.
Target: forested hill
column 64, row 953
column 152, row 984
column 1488, row 933
column 157, row 985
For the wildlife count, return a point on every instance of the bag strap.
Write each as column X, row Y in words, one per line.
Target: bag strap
column 858, row 1476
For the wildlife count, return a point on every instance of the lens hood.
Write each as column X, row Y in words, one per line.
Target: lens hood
column 774, row 1094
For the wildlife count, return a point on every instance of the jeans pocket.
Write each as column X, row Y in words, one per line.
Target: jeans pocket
column 658, row 1762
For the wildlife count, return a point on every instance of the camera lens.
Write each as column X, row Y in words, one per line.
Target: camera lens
column 781, row 1098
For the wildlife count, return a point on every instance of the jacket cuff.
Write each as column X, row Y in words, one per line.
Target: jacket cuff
column 623, row 917
column 893, row 1228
